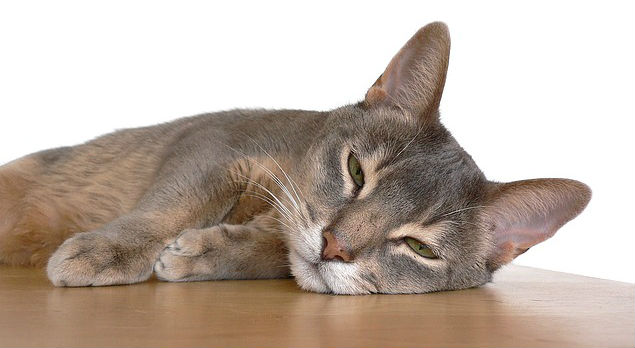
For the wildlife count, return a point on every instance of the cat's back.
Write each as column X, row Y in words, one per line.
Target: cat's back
column 214, row 134
column 248, row 121
column 198, row 131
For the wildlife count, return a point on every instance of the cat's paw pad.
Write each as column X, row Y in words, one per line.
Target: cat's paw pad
column 92, row 259
column 190, row 243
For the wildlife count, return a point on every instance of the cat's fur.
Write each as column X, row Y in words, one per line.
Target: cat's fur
column 249, row 194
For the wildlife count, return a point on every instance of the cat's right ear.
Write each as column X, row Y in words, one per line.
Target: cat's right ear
column 524, row 213
column 415, row 77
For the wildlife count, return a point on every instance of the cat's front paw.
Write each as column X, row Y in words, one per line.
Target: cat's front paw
column 94, row 259
column 191, row 242
column 186, row 258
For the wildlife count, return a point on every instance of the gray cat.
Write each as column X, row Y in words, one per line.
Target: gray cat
column 375, row 197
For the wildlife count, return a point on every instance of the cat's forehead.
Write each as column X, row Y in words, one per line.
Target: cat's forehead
column 378, row 126
column 422, row 196
column 417, row 164
column 410, row 167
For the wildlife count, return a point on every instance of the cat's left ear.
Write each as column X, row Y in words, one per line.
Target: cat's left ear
column 415, row 77
column 524, row 213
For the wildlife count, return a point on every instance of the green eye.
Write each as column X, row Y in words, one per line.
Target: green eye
column 421, row 248
column 355, row 169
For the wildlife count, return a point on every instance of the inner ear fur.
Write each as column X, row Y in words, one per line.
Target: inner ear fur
column 415, row 77
column 524, row 213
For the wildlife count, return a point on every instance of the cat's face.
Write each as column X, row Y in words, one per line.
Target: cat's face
column 416, row 182
column 392, row 203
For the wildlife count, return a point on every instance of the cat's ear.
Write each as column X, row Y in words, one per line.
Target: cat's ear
column 415, row 77
column 524, row 213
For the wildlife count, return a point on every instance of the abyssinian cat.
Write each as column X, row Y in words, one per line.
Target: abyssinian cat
column 375, row 197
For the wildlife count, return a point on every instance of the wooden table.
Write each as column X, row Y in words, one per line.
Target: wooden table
column 522, row 307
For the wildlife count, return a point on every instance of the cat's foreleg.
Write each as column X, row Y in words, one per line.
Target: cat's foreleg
column 125, row 250
column 252, row 251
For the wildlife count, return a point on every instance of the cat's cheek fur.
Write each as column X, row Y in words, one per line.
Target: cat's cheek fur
column 307, row 243
column 306, row 275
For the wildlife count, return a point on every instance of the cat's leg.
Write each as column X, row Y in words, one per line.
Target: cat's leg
column 124, row 250
column 120, row 252
column 251, row 251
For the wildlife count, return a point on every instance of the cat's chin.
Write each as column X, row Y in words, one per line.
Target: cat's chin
column 316, row 275
column 328, row 277
column 307, row 274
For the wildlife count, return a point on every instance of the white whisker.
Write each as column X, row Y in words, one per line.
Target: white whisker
column 408, row 144
column 294, row 212
column 273, row 176
column 464, row 209
column 284, row 207
column 291, row 182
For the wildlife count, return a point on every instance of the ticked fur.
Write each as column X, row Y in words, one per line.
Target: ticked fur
column 249, row 194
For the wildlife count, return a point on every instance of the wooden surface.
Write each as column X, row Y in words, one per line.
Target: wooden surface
column 522, row 307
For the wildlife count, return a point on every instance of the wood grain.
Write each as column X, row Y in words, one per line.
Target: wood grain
column 523, row 307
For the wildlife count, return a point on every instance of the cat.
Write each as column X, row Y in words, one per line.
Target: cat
column 374, row 197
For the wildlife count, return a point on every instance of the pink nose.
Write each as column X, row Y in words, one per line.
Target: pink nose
column 333, row 250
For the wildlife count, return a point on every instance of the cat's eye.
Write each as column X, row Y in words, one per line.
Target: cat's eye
column 355, row 169
column 421, row 248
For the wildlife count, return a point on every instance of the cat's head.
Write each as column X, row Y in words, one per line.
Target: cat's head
column 393, row 204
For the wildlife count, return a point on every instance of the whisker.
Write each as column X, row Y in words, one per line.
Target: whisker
column 297, row 217
column 464, row 209
column 269, row 201
column 265, row 189
column 408, row 144
column 459, row 222
column 289, row 179
column 276, row 230
column 287, row 176
column 275, row 178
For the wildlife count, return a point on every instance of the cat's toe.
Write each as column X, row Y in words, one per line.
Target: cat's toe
column 190, row 243
column 173, row 267
column 190, row 257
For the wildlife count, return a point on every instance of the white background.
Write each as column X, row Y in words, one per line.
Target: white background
column 535, row 89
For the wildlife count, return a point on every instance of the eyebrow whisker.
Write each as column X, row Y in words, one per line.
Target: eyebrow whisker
column 464, row 209
column 408, row 144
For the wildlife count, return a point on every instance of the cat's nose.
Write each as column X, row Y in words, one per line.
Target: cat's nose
column 333, row 250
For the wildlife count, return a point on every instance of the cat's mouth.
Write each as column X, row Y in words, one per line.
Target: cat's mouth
column 314, row 274
column 306, row 273
column 328, row 276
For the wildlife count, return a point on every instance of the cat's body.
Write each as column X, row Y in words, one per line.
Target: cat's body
column 81, row 188
column 371, row 197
